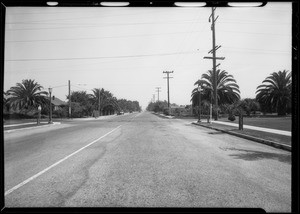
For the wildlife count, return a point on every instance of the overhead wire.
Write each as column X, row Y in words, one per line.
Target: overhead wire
column 74, row 18
column 103, row 37
column 102, row 57
column 181, row 46
column 96, row 25
column 271, row 34
column 89, row 17
column 197, row 38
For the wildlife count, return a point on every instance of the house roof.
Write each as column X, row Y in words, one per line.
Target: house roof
column 58, row 102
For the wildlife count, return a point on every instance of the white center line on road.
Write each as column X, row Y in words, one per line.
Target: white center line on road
column 55, row 164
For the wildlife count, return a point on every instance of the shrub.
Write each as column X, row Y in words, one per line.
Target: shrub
column 166, row 111
column 231, row 117
column 17, row 116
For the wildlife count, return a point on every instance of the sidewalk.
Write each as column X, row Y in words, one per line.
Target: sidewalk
column 33, row 125
column 272, row 137
column 26, row 126
column 275, row 131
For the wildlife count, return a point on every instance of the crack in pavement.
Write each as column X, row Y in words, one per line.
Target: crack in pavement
column 82, row 175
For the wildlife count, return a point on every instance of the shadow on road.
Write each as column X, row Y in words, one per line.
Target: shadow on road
column 251, row 155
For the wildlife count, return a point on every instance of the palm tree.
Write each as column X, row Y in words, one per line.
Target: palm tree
column 276, row 91
column 27, row 95
column 83, row 99
column 106, row 99
column 227, row 90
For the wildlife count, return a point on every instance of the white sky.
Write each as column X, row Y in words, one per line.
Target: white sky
column 125, row 50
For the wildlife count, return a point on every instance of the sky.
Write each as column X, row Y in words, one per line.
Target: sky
column 125, row 50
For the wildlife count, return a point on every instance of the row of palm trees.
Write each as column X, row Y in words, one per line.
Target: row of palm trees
column 28, row 95
column 273, row 95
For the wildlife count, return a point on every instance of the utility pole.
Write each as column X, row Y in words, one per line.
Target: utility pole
column 153, row 98
column 168, row 77
column 158, row 90
column 214, row 58
column 99, row 109
column 70, row 100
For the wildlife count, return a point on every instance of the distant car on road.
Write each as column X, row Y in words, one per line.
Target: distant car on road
column 120, row 113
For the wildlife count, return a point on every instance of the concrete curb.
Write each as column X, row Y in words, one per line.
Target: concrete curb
column 248, row 137
column 163, row 116
column 55, row 123
column 34, row 127
column 93, row 118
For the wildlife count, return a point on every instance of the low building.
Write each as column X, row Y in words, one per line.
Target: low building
column 57, row 103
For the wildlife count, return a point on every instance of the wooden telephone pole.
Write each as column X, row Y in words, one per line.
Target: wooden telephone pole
column 70, row 113
column 168, row 77
column 214, row 58
column 158, row 90
column 99, row 103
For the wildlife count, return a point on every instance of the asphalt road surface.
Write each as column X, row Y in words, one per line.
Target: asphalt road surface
column 142, row 160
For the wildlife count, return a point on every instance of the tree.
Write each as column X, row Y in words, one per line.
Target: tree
column 107, row 101
column 83, row 106
column 227, row 90
column 158, row 106
column 27, row 95
column 276, row 92
column 249, row 105
column 5, row 102
column 128, row 105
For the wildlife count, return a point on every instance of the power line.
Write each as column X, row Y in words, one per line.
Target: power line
column 76, row 18
column 180, row 58
column 252, row 49
column 253, row 21
column 271, row 34
column 96, row 25
column 104, row 37
column 265, row 23
column 103, row 57
column 59, row 86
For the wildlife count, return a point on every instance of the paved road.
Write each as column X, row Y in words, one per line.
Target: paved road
column 142, row 160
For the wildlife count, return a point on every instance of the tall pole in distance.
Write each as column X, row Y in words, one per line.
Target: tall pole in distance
column 168, row 77
column 214, row 58
column 214, row 61
column 99, row 109
column 158, row 90
column 50, row 106
column 69, row 99
column 199, row 90
column 210, row 108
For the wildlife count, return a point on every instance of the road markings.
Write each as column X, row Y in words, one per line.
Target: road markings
column 55, row 164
